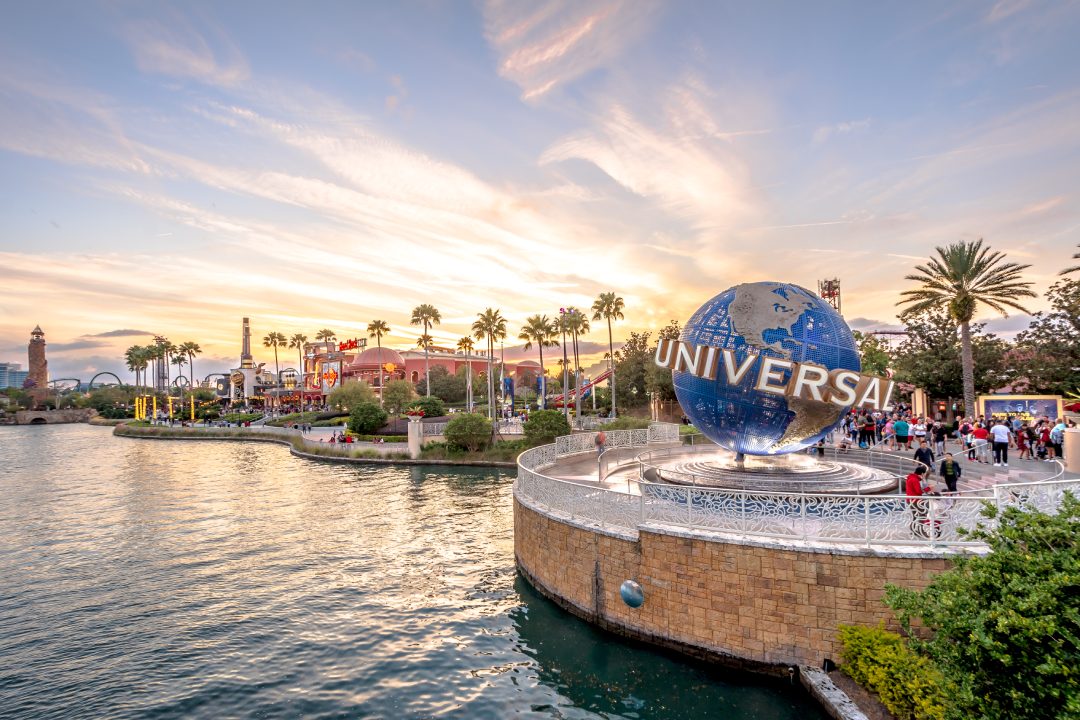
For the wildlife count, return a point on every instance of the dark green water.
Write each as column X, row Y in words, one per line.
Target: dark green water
column 159, row 579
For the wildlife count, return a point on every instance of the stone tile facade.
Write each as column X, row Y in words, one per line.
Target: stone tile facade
column 749, row 604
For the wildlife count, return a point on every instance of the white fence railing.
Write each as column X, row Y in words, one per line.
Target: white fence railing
column 872, row 521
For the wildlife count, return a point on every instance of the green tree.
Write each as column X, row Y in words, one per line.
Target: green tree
column 426, row 315
column 930, row 356
column 963, row 275
column 432, row 406
column 1074, row 268
column 191, row 349
column 490, row 325
column 448, row 388
column 397, row 395
column 468, row 431
column 366, row 418
column 575, row 323
column 1048, row 352
column 179, row 361
column 276, row 340
column 543, row 426
column 349, row 395
column 540, row 330
column 376, row 329
column 873, row 353
column 466, row 346
column 609, row 307
column 634, row 361
column 1005, row 627
column 326, row 335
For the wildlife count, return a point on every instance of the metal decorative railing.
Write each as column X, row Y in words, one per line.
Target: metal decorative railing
column 880, row 521
column 434, row 428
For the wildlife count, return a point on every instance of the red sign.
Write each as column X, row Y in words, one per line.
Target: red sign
column 352, row 344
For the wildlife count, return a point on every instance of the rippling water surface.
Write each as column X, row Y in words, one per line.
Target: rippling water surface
column 166, row 579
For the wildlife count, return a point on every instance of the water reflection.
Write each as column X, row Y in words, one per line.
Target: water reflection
column 206, row 580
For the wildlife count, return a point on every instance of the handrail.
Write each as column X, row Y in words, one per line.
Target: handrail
column 871, row 521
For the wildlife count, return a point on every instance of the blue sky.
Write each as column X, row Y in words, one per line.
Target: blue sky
column 172, row 168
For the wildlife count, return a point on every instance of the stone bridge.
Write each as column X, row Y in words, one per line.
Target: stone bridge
column 52, row 417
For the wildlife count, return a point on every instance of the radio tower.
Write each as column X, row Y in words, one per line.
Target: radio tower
column 829, row 290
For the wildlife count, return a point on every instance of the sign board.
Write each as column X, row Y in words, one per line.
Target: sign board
column 330, row 376
column 353, row 344
column 1026, row 407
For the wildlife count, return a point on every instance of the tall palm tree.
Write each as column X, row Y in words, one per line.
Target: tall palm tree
column 276, row 340
column 1074, row 268
column 326, row 335
column 179, row 360
column 137, row 358
column 609, row 307
column 540, row 330
column 191, row 349
column 376, row 329
column 491, row 325
column 423, row 342
column 466, row 345
column 962, row 275
column 426, row 315
column 297, row 341
column 577, row 324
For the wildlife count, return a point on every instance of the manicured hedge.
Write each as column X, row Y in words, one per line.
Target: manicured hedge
column 907, row 684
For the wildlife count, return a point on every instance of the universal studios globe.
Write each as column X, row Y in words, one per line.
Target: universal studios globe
column 770, row 319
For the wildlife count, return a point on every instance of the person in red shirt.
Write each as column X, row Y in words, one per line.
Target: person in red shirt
column 914, row 489
column 982, row 444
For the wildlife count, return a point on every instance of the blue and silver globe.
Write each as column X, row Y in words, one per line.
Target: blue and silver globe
column 775, row 320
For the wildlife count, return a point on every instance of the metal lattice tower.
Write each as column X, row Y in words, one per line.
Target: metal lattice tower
column 829, row 290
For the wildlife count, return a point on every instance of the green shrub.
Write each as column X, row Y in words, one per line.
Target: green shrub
column 628, row 423
column 242, row 417
column 384, row 438
column 879, row 660
column 543, row 426
column 468, row 431
column 432, row 406
column 366, row 418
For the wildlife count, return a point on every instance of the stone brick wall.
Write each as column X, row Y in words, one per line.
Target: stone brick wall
column 753, row 605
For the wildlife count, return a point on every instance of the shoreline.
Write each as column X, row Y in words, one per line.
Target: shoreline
column 292, row 441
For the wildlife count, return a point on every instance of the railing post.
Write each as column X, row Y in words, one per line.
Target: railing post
column 866, row 520
column 689, row 509
column 802, row 516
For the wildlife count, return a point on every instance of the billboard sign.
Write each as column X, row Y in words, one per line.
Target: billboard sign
column 1026, row 407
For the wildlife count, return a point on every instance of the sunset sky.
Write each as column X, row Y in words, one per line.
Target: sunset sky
column 172, row 168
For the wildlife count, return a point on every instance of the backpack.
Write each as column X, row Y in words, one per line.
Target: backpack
column 1057, row 436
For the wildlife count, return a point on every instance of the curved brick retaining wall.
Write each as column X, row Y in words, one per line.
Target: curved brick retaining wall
column 757, row 605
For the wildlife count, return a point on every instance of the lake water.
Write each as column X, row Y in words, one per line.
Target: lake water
column 161, row 579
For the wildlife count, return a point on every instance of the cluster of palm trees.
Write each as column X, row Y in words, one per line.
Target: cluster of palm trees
column 157, row 357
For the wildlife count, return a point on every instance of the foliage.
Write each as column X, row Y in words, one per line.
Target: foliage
column 367, row 417
column 1047, row 357
column 930, row 356
column 627, row 423
column 242, row 417
column 445, row 386
column 347, row 396
column 1005, row 627
column 106, row 399
column 468, row 431
column 397, row 395
column 502, row 452
column 543, row 426
column 291, row 418
column 909, row 686
column 633, row 366
column 432, row 406
column 383, row 438
column 873, row 353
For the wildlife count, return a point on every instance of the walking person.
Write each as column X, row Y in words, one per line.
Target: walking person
column 600, row 439
column 1002, row 436
column 924, row 455
column 981, row 440
column 950, row 472
column 902, row 429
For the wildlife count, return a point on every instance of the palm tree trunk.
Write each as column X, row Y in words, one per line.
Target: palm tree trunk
column 468, row 382
column 577, row 380
column 427, row 373
column 543, row 378
column 277, row 378
column 491, row 378
column 191, row 370
column 382, row 380
column 967, row 363
column 611, row 366
column 300, row 384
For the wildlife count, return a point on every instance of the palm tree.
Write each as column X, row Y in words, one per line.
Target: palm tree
column 609, row 307
column 1074, row 268
column 326, row 335
column 191, row 349
column 179, row 360
column 961, row 276
column 298, row 340
column 576, row 324
column 540, row 330
column 491, row 325
column 465, row 344
column 426, row 315
column 376, row 329
column 138, row 358
column 423, row 342
column 275, row 340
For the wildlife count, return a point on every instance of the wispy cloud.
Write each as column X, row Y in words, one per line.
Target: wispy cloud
column 823, row 133
column 174, row 46
column 543, row 46
column 120, row 333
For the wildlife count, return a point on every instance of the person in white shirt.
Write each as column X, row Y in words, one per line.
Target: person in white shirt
column 1001, row 435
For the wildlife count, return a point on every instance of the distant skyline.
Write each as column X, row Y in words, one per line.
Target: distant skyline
column 172, row 168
